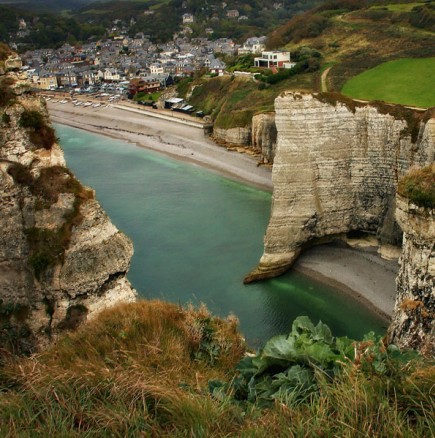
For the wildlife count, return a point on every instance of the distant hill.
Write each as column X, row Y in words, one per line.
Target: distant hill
column 46, row 5
column 354, row 35
column 157, row 18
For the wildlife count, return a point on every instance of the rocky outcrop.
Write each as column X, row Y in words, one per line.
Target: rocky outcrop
column 61, row 259
column 264, row 135
column 260, row 136
column 336, row 169
column 413, row 323
column 240, row 136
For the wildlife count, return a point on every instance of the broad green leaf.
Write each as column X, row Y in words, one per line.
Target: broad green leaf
column 345, row 347
column 321, row 353
column 322, row 332
column 280, row 347
column 302, row 324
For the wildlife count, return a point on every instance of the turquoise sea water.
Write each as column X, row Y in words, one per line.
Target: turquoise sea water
column 196, row 234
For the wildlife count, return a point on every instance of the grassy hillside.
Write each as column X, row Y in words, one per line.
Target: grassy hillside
column 232, row 101
column 406, row 81
column 347, row 38
column 354, row 36
column 156, row 369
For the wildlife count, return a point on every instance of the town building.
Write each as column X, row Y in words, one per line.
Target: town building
column 274, row 58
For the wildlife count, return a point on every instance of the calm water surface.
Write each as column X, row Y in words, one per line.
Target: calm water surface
column 196, row 234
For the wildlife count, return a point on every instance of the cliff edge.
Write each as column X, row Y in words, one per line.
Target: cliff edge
column 61, row 259
column 336, row 169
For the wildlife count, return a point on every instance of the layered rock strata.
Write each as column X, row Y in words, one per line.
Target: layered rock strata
column 260, row 136
column 413, row 324
column 61, row 259
column 239, row 136
column 336, row 168
column 263, row 138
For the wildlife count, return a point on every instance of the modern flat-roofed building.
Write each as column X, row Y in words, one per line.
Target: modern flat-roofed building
column 274, row 58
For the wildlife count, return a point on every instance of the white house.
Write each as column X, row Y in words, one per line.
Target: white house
column 253, row 45
column 156, row 69
column 233, row 13
column 111, row 75
column 187, row 18
column 274, row 58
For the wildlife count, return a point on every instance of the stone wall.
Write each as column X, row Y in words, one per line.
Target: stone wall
column 336, row 168
column 413, row 323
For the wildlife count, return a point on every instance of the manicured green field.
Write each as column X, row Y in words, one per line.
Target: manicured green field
column 405, row 81
column 399, row 7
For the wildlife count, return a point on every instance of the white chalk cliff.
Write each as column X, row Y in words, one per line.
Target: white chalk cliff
column 336, row 167
column 413, row 324
column 61, row 259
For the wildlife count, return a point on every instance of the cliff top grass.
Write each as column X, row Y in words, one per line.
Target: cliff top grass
column 404, row 81
column 418, row 185
column 153, row 369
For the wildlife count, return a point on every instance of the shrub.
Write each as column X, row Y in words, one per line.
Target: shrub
column 46, row 247
column 418, row 185
column 6, row 92
column 6, row 118
column 32, row 119
column 41, row 135
column 182, row 86
column 21, row 174
column 5, row 51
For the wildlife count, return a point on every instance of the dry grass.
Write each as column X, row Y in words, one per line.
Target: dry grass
column 139, row 370
column 419, row 186
column 134, row 371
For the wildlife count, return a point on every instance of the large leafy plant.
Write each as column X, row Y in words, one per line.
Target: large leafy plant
column 291, row 368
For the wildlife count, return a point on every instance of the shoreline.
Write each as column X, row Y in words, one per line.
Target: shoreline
column 363, row 274
column 175, row 140
column 357, row 273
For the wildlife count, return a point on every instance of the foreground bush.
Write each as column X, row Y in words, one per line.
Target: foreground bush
column 142, row 370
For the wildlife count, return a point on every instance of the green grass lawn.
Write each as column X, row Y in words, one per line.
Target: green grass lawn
column 399, row 7
column 405, row 81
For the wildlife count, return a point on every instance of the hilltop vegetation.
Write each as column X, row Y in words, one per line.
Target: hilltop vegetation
column 75, row 21
column 157, row 369
column 354, row 36
column 347, row 36
column 405, row 81
column 418, row 185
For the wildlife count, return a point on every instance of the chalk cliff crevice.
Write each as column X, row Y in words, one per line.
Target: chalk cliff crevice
column 61, row 259
column 336, row 168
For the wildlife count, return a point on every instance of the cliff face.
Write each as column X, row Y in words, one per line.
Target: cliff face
column 413, row 323
column 336, row 169
column 240, row 136
column 61, row 259
column 260, row 135
column 264, row 135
